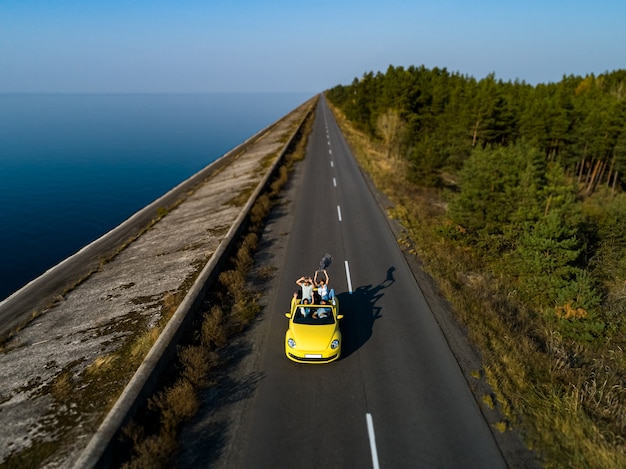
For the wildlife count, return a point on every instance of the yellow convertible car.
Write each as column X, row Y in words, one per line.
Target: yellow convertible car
column 313, row 335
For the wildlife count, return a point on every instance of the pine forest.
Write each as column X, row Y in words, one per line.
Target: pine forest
column 513, row 198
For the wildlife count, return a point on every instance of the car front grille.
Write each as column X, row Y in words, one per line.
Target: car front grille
column 313, row 360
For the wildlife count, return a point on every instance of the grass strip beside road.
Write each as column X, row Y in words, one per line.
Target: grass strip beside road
column 525, row 364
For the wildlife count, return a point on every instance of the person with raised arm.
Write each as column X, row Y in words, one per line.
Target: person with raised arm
column 323, row 291
column 306, row 284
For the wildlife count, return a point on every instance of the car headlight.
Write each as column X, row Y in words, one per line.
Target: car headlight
column 334, row 344
column 291, row 343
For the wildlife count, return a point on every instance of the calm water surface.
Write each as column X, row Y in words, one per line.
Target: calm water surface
column 74, row 166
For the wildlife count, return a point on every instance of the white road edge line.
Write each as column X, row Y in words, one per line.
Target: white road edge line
column 370, row 431
column 348, row 277
column 339, row 212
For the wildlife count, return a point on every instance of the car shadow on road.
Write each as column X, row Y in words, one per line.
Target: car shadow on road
column 360, row 311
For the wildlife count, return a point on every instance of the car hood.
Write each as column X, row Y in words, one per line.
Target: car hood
column 310, row 337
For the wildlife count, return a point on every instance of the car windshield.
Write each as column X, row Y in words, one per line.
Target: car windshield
column 314, row 315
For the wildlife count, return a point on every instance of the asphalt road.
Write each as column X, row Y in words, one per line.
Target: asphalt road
column 396, row 398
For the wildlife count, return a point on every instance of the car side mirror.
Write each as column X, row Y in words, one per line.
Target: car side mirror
column 340, row 316
column 288, row 315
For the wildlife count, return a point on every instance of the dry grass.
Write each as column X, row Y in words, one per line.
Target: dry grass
column 279, row 182
column 240, row 199
column 568, row 400
column 144, row 342
column 173, row 405
column 62, row 386
column 261, row 209
column 212, row 331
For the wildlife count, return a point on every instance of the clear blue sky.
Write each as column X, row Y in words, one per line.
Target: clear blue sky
column 294, row 45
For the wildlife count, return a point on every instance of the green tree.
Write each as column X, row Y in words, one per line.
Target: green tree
column 427, row 157
column 494, row 120
column 489, row 180
column 545, row 256
column 548, row 255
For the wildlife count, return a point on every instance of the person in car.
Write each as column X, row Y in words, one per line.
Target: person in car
column 304, row 310
column 322, row 312
column 322, row 286
column 306, row 284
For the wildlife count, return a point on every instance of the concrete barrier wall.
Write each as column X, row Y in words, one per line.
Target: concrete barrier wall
column 142, row 385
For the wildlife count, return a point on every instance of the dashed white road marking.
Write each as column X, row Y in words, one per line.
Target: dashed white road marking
column 348, row 277
column 370, row 432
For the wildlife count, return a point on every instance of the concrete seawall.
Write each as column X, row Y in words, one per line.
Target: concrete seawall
column 43, row 292
column 62, row 373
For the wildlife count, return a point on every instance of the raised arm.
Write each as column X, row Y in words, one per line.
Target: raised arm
column 316, row 282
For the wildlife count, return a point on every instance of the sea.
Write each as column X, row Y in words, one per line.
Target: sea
column 74, row 166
